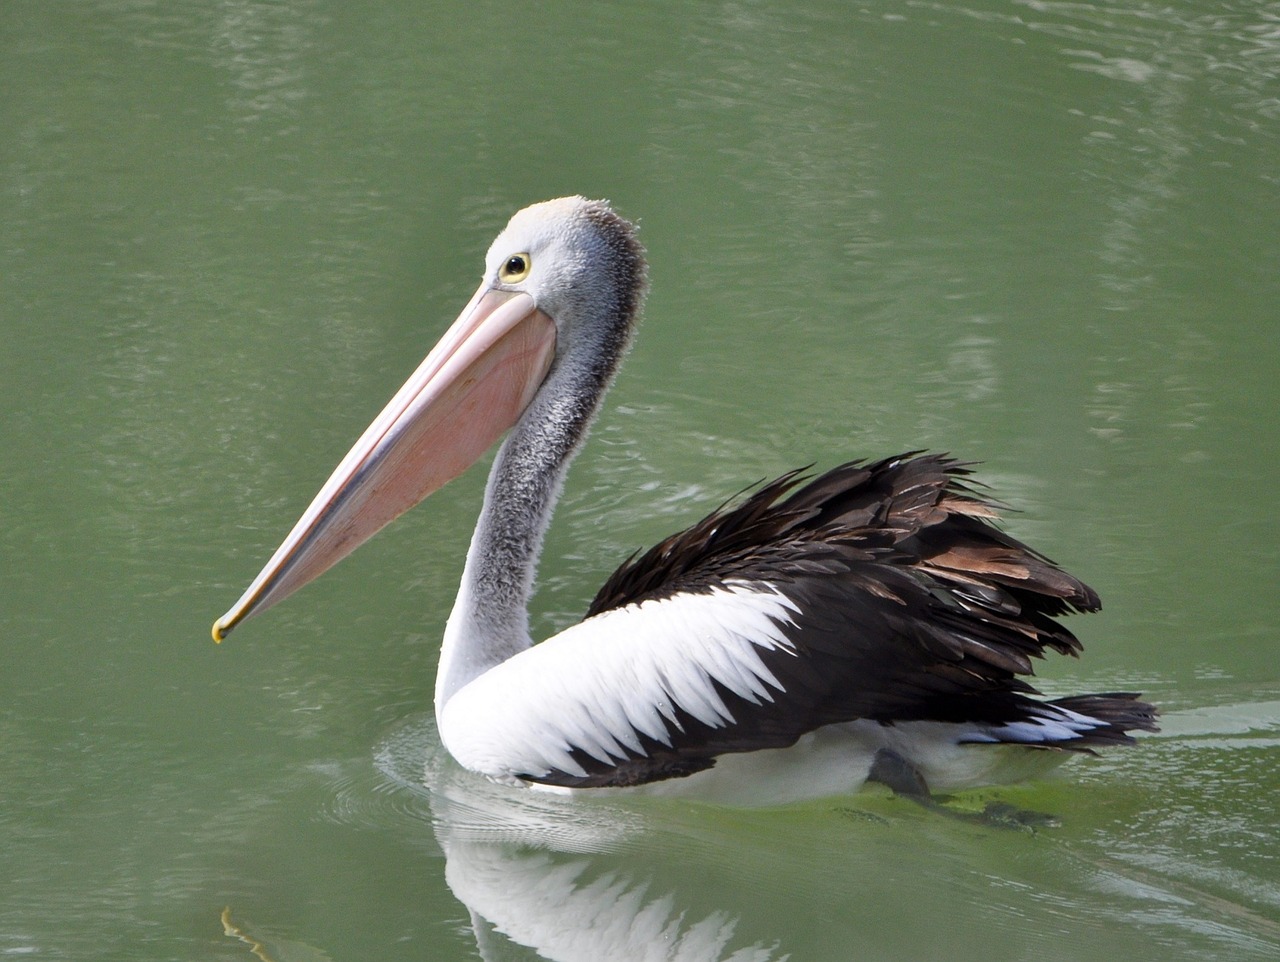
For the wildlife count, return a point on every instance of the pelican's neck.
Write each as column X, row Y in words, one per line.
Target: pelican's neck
column 490, row 618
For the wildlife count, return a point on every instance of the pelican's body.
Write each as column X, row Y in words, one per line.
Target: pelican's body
column 869, row 623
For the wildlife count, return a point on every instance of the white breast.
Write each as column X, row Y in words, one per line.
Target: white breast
column 597, row 686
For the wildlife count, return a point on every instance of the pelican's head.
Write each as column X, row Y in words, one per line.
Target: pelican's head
column 579, row 262
column 562, row 285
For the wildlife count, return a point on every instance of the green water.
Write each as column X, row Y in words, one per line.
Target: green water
column 1041, row 235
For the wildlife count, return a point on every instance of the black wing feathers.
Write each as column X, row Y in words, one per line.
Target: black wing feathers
column 911, row 605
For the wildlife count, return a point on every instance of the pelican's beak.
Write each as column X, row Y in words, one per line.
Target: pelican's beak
column 471, row 388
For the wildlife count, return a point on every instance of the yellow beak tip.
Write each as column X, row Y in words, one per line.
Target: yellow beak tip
column 218, row 632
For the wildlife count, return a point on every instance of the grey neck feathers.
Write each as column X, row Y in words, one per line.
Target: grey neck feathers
column 490, row 621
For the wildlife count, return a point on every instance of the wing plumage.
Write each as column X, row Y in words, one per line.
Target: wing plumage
column 879, row 591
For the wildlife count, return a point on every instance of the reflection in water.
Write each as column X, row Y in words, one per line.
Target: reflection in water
column 1153, row 67
column 555, row 875
column 1148, row 155
column 262, row 47
column 571, row 908
column 280, row 950
column 548, row 877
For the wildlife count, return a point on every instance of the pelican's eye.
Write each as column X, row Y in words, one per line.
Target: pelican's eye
column 514, row 269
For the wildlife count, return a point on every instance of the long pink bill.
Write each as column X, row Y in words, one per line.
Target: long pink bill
column 471, row 388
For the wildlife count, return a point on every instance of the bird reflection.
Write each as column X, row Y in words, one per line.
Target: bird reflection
column 571, row 907
column 545, row 877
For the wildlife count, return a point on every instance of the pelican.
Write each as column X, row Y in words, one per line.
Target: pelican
column 870, row 623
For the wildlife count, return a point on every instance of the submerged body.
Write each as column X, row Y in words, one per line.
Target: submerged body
column 841, row 759
column 867, row 623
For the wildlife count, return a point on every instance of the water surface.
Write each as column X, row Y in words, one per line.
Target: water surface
column 1041, row 235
